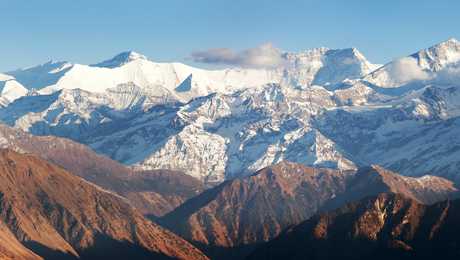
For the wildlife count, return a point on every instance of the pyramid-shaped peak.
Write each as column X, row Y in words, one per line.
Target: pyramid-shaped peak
column 347, row 53
column 131, row 55
column 121, row 59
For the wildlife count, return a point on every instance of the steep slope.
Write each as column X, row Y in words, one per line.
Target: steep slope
column 238, row 214
column 153, row 192
column 382, row 227
column 158, row 192
column 11, row 248
column 57, row 214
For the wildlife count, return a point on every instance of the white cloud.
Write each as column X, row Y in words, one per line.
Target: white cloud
column 448, row 76
column 406, row 69
column 263, row 56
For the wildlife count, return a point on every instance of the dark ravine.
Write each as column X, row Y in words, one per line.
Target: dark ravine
column 386, row 226
column 229, row 220
column 154, row 192
column 60, row 216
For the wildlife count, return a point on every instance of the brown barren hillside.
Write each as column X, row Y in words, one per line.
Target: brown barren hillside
column 58, row 215
column 240, row 213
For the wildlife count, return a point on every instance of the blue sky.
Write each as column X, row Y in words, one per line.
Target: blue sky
column 85, row 31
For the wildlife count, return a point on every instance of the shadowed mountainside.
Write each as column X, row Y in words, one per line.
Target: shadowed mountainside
column 387, row 226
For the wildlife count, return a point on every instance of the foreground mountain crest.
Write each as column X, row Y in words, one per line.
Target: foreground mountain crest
column 381, row 227
column 56, row 214
column 231, row 219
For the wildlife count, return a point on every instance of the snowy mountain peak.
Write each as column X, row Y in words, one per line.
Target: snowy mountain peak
column 439, row 56
column 326, row 67
column 357, row 54
column 121, row 59
column 218, row 124
column 419, row 67
column 450, row 41
column 4, row 77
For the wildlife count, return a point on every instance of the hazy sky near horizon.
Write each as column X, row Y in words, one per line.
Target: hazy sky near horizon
column 88, row 31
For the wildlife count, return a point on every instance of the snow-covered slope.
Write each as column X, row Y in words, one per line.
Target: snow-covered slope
column 322, row 107
column 41, row 76
column 121, row 59
column 325, row 67
column 10, row 89
column 184, row 82
column 420, row 66
column 414, row 137
column 230, row 135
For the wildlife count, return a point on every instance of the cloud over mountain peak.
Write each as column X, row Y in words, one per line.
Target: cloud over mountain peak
column 263, row 56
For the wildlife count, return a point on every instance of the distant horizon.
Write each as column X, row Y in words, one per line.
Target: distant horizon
column 87, row 32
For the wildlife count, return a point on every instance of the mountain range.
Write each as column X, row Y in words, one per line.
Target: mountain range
column 230, row 220
column 322, row 107
column 324, row 155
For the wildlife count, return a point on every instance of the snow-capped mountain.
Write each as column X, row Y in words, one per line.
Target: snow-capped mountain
column 183, row 82
column 421, row 66
column 322, row 107
column 10, row 89
column 121, row 59
column 323, row 66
